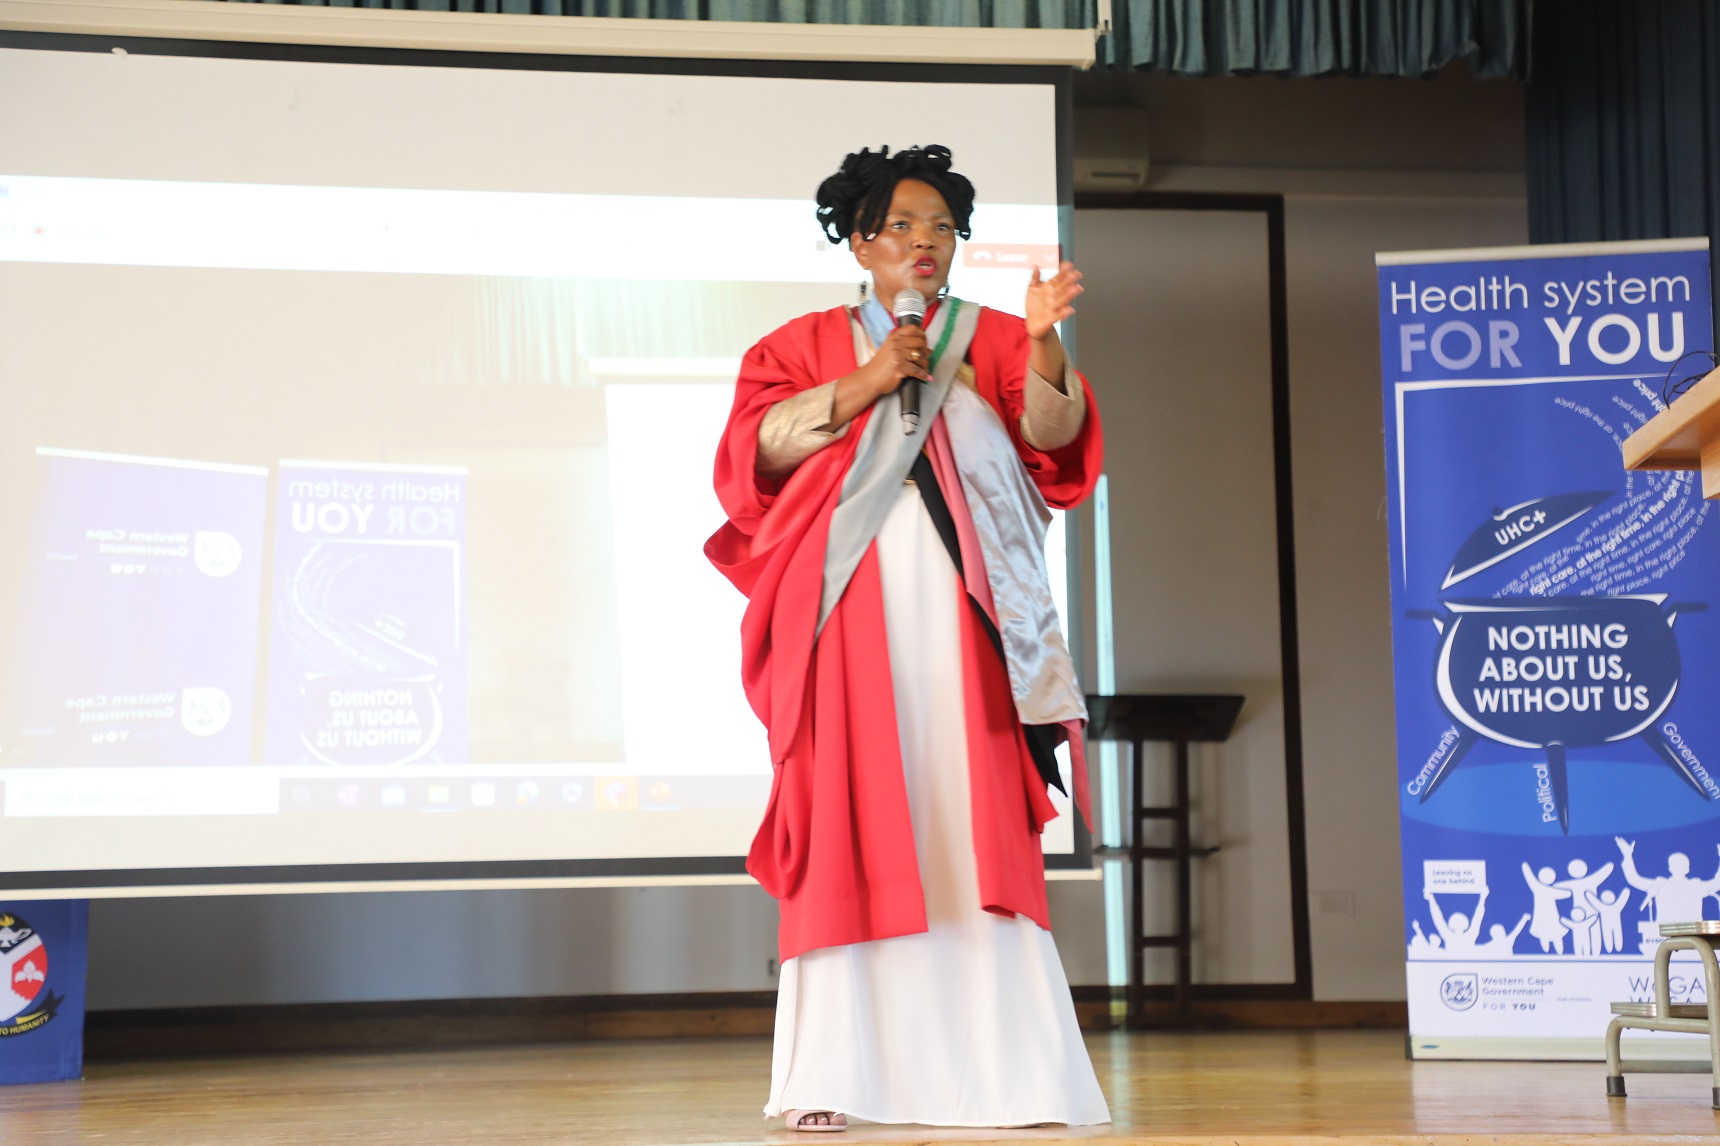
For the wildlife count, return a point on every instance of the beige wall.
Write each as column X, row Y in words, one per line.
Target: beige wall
column 1175, row 335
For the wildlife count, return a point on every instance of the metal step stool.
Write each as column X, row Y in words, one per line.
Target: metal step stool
column 1665, row 1015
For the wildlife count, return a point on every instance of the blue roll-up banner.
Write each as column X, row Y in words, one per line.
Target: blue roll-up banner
column 1556, row 651
column 43, row 951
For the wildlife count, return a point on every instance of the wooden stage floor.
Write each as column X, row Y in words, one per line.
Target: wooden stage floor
column 1248, row 1088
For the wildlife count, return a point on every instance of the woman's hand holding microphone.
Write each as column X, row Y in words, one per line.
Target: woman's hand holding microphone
column 902, row 355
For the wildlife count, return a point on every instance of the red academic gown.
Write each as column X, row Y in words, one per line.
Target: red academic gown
column 836, row 847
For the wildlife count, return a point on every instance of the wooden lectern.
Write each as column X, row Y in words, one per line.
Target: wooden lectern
column 1684, row 436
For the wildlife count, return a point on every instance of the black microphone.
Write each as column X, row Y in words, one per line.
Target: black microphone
column 910, row 308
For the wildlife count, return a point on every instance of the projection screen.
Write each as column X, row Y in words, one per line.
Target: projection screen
column 357, row 414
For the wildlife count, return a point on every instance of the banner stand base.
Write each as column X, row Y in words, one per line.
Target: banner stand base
column 1692, row 1048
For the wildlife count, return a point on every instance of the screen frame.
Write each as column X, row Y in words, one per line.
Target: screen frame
column 607, row 871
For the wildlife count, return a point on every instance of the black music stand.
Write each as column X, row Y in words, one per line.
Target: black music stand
column 1180, row 720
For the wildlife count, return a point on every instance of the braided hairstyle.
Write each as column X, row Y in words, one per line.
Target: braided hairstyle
column 856, row 199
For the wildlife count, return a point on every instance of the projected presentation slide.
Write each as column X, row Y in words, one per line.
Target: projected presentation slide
column 356, row 432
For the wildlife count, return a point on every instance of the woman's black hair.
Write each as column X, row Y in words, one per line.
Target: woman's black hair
column 856, row 199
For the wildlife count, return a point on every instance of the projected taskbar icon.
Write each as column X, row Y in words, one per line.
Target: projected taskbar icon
column 442, row 794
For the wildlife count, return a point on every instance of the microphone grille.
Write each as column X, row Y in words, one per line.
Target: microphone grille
column 909, row 304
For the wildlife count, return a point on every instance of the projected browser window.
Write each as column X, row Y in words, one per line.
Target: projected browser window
column 363, row 524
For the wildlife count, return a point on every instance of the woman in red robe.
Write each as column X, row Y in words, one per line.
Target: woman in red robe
column 902, row 649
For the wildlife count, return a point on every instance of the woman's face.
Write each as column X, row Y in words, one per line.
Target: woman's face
column 915, row 247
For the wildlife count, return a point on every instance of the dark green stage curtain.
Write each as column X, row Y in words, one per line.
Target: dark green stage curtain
column 1623, row 116
column 1190, row 37
column 1320, row 37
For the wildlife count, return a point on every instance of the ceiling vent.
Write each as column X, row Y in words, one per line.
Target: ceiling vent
column 1110, row 174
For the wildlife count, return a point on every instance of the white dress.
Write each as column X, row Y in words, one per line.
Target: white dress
column 970, row 1023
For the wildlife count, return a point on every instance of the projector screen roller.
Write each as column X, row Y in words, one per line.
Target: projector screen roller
column 357, row 417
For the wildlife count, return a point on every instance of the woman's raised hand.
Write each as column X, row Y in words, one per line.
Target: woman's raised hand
column 1050, row 301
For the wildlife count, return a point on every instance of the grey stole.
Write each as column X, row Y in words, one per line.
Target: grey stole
column 1009, row 517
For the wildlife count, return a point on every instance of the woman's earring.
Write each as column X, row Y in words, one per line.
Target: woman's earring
column 944, row 291
column 862, row 292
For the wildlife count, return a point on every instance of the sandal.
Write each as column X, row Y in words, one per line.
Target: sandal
column 798, row 1120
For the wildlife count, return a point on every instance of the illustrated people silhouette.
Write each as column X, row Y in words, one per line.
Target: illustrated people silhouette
column 1421, row 943
column 1609, row 906
column 1502, row 942
column 1546, row 924
column 1678, row 896
column 1583, row 882
column 1458, row 930
column 1585, row 931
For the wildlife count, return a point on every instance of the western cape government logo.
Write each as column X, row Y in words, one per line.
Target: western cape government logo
column 1460, row 991
column 25, row 1001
